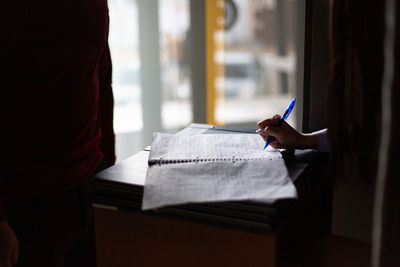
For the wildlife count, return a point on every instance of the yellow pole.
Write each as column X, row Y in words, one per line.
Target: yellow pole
column 214, row 58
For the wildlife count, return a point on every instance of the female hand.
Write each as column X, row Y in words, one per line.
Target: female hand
column 285, row 135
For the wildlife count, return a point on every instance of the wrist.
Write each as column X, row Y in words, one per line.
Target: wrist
column 310, row 141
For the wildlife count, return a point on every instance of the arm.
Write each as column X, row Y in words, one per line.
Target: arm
column 287, row 137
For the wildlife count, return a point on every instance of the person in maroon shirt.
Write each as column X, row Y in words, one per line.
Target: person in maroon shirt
column 56, row 113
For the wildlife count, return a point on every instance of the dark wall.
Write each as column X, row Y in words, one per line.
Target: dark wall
column 316, row 64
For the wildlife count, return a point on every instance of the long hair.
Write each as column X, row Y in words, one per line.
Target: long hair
column 354, row 90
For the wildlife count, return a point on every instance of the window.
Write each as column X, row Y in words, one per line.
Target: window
column 124, row 47
column 259, row 59
column 251, row 69
column 174, row 26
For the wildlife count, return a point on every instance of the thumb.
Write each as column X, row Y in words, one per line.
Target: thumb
column 275, row 119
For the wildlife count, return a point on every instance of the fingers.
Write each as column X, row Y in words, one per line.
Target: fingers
column 264, row 123
column 276, row 132
column 275, row 119
column 261, row 133
column 265, row 133
column 285, row 135
column 269, row 122
column 272, row 131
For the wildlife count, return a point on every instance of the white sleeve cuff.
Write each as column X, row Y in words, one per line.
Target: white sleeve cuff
column 323, row 144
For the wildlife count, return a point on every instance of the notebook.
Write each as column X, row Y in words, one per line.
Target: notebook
column 210, row 168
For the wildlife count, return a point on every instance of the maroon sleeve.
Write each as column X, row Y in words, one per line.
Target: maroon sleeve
column 106, row 106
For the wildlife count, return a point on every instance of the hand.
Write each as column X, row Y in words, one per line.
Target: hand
column 8, row 245
column 285, row 135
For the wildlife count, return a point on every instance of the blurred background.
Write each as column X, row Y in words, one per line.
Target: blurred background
column 250, row 51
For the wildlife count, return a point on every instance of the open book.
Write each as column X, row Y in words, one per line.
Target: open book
column 213, row 167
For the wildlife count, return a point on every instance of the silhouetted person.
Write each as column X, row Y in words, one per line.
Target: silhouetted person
column 56, row 115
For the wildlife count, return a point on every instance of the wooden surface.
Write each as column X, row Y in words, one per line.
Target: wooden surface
column 134, row 239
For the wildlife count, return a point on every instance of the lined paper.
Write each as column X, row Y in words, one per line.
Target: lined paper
column 215, row 167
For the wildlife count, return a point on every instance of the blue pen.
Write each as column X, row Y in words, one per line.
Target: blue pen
column 284, row 117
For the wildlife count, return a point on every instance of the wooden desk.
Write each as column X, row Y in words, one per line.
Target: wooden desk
column 126, row 236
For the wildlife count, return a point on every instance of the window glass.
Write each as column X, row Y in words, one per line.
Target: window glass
column 124, row 47
column 253, row 75
column 123, row 41
column 259, row 59
column 174, row 25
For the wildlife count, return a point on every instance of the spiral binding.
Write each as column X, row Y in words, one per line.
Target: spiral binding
column 162, row 161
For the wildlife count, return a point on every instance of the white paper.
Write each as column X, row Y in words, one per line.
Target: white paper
column 225, row 167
